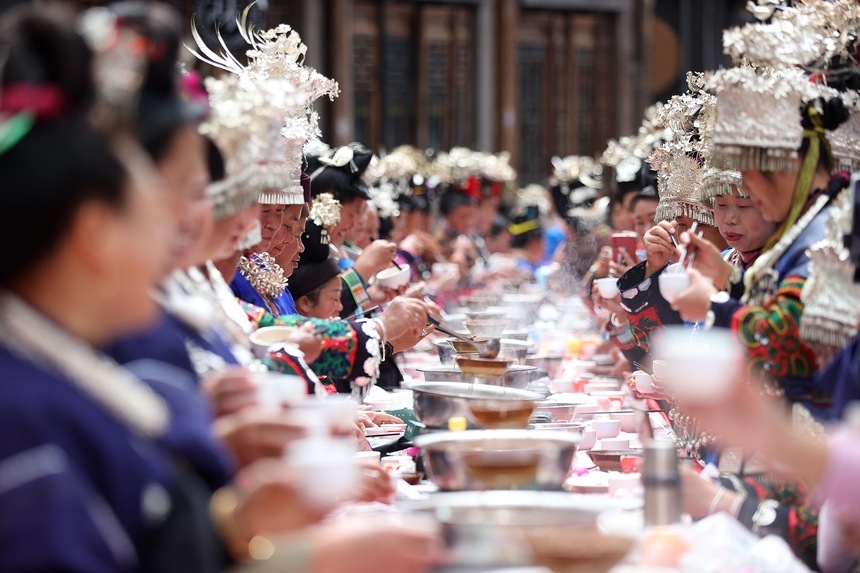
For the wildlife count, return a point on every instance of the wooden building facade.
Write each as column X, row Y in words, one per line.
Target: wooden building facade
column 535, row 78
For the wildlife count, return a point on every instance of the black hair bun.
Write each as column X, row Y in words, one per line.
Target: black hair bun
column 44, row 49
column 343, row 181
column 833, row 113
column 361, row 157
column 315, row 251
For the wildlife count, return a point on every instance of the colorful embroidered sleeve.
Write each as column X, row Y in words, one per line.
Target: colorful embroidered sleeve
column 258, row 316
column 771, row 334
column 343, row 347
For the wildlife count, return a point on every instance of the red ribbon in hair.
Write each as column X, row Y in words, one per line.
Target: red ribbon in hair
column 473, row 188
column 45, row 101
column 496, row 189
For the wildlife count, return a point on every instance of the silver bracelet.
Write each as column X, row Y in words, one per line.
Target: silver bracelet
column 721, row 491
column 382, row 328
column 736, row 504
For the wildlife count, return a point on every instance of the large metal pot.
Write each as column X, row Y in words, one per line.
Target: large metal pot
column 446, row 353
column 552, row 412
column 435, row 403
column 498, row 459
column 518, row 375
column 522, row 528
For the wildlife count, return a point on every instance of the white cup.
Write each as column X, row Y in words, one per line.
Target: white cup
column 324, row 469
column 606, row 428
column 644, row 382
column 673, row 283
column 608, row 287
column 276, row 390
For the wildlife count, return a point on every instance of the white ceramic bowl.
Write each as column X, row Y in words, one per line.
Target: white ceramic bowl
column 486, row 327
column 614, row 444
column 263, row 338
column 394, row 278
column 589, row 438
column 644, row 382
column 673, row 284
column 606, row 428
column 276, row 390
column 661, row 369
column 627, row 419
column 607, row 287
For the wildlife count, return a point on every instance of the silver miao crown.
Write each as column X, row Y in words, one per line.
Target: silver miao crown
column 627, row 153
column 803, row 33
column 845, row 140
column 758, row 117
column 277, row 55
column 686, row 120
column 759, row 102
column 716, row 182
column 246, row 116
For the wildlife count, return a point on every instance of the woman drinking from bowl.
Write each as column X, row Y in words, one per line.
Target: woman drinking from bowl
column 763, row 305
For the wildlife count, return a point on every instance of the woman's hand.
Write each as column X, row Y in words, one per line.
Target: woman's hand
column 255, row 433
column 381, row 295
column 694, row 302
column 699, row 493
column 405, row 320
column 374, row 484
column 381, row 418
column 376, row 257
column 270, row 502
column 230, row 390
column 307, row 340
column 659, row 248
column 613, row 304
column 709, row 260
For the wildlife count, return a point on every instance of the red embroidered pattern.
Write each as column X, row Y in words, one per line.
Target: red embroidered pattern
column 771, row 334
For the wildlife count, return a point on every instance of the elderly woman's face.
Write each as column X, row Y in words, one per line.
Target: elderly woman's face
column 771, row 192
column 741, row 224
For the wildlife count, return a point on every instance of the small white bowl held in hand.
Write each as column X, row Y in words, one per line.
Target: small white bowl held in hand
column 394, row 278
column 705, row 367
column 606, row 428
column 672, row 283
column 276, row 390
column 264, row 338
column 644, row 383
column 608, row 287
